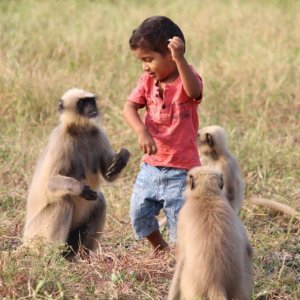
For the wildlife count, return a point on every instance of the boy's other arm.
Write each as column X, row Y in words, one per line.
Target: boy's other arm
column 190, row 82
column 133, row 119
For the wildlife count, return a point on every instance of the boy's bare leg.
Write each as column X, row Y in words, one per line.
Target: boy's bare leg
column 157, row 241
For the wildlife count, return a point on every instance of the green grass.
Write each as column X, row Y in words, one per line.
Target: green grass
column 248, row 53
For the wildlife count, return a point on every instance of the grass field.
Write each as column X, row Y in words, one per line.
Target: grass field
column 248, row 53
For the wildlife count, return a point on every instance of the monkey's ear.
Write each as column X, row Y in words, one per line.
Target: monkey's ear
column 60, row 105
column 192, row 181
column 209, row 140
column 221, row 181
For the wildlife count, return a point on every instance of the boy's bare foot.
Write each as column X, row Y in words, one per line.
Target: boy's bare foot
column 157, row 242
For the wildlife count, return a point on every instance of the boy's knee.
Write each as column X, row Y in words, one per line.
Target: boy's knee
column 144, row 227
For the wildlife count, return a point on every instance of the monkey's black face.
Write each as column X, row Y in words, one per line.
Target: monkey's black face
column 209, row 140
column 87, row 107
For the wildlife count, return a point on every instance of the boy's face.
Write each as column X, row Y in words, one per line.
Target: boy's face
column 157, row 65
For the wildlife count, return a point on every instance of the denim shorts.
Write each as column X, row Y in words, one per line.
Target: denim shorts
column 156, row 188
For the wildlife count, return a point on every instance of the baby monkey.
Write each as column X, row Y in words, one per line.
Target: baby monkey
column 214, row 254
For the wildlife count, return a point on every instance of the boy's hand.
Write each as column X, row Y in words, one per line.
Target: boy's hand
column 176, row 46
column 146, row 142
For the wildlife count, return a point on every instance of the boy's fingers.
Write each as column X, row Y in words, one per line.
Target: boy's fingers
column 172, row 43
column 144, row 149
column 174, row 46
column 175, row 39
column 150, row 151
column 153, row 149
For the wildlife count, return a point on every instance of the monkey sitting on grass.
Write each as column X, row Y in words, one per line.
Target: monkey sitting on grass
column 214, row 255
column 213, row 150
column 214, row 153
column 212, row 146
column 65, row 204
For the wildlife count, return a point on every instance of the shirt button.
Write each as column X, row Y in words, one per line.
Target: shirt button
column 163, row 106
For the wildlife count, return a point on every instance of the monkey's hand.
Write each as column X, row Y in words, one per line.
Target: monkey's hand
column 118, row 163
column 88, row 194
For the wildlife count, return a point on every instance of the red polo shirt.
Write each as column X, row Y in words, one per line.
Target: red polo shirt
column 171, row 120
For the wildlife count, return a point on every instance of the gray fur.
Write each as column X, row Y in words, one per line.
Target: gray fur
column 215, row 154
column 65, row 204
column 214, row 255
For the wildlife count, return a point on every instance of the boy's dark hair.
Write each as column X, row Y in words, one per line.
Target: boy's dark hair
column 154, row 34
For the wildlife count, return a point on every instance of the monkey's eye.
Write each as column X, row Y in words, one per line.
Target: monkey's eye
column 60, row 105
column 81, row 102
column 192, row 181
column 209, row 140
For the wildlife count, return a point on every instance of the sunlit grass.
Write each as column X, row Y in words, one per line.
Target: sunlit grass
column 248, row 54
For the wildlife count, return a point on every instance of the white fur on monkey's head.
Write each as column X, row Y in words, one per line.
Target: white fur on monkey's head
column 203, row 180
column 68, row 107
column 76, row 93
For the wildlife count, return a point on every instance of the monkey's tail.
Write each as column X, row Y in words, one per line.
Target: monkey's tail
column 275, row 205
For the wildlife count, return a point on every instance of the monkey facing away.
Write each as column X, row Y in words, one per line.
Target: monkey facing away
column 214, row 255
column 65, row 204
column 214, row 153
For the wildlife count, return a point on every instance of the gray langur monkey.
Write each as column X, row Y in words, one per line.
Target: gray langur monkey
column 65, row 204
column 213, row 150
column 212, row 146
column 214, row 255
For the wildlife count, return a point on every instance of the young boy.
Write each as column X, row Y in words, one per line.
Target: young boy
column 170, row 90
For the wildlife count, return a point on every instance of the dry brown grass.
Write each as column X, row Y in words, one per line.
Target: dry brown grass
column 248, row 54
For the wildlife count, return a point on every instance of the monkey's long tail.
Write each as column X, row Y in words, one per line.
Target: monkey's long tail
column 275, row 205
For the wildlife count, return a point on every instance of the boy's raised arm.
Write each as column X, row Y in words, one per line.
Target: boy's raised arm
column 191, row 83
